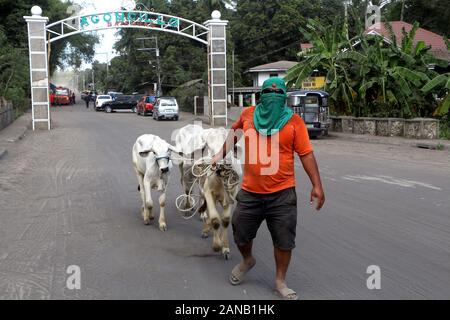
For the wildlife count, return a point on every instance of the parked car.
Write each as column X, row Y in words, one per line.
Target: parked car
column 137, row 96
column 101, row 99
column 166, row 108
column 122, row 102
column 114, row 94
column 145, row 105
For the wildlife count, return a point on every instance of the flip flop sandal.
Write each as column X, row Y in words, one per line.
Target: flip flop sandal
column 237, row 275
column 286, row 293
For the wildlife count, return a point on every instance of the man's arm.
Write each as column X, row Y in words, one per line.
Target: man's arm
column 310, row 165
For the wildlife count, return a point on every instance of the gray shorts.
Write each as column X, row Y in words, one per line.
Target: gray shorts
column 279, row 209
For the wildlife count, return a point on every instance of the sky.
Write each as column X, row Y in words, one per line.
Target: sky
column 107, row 37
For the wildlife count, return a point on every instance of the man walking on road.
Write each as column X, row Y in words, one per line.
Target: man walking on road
column 87, row 98
column 268, row 194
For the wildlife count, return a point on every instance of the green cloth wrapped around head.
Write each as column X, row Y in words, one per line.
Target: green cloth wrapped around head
column 272, row 113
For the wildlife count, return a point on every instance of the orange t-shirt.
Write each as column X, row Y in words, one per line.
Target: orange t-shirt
column 269, row 161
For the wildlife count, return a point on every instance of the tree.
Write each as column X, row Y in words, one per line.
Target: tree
column 325, row 56
column 14, row 75
column 181, row 59
column 371, row 77
column 68, row 51
column 441, row 84
column 433, row 15
column 268, row 31
column 14, row 63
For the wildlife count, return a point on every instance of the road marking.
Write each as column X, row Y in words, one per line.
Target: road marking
column 390, row 180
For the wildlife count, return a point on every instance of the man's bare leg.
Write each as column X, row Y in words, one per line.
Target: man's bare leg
column 239, row 271
column 282, row 260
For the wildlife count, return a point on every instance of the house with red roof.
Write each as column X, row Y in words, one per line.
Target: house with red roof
column 437, row 42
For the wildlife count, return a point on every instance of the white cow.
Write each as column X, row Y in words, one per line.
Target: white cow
column 151, row 161
column 220, row 186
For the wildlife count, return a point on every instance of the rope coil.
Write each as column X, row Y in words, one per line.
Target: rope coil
column 203, row 167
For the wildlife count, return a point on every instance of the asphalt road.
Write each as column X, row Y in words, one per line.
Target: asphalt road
column 69, row 197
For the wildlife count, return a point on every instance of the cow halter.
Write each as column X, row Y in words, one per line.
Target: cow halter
column 164, row 156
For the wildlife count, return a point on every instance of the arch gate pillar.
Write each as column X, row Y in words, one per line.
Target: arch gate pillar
column 214, row 30
column 38, row 68
column 217, row 69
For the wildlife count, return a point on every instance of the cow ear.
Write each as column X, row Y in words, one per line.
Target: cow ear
column 144, row 145
column 174, row 149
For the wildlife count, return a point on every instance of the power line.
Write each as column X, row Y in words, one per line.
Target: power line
column 270, row 52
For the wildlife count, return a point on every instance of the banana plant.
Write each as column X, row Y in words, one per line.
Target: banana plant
column 368, row 74
column 328, row 42
column 441, row 82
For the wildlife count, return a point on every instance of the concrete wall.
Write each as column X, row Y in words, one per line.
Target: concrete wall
column 417, row 128
column 260, row 77
column 6, row 113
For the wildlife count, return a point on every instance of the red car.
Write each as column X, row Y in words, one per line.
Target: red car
column 145, row 105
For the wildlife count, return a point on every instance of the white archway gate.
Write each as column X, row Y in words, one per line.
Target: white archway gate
column 212, row 33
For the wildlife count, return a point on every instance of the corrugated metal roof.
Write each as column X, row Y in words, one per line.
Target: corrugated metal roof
column 282, row 65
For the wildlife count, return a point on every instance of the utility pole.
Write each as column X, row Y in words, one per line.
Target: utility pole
column 232, row 97
column 93, row 79
column 346, row 3
column 158, row 65
column 403, row 9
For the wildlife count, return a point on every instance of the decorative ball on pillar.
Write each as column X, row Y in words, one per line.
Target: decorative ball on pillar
column 36, row 11
column 216, row 15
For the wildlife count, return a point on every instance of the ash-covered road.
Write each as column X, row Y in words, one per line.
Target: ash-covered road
column 69, row 197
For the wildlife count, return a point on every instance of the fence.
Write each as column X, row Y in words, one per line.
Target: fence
column 6, row 113
column 417, row 128
column 201, row 106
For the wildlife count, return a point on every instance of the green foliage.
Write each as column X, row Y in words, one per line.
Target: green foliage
column 14, row 75
column 14, row 61
column 370, row 77
column 433, row 15
column 268, row 31
column 444, row 127
column 181, row 59
column 185, row 95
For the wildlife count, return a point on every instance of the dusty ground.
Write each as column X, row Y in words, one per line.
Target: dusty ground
column 68, row 197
